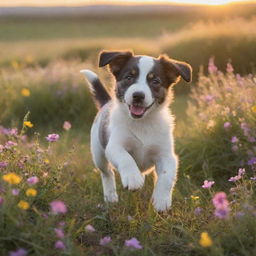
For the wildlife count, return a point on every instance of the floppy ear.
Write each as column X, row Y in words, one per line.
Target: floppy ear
column 175, row 69
column 116, row 60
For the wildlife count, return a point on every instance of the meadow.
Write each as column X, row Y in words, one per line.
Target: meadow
column 51, row 199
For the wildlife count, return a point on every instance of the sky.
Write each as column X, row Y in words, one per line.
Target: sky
column 84, row 2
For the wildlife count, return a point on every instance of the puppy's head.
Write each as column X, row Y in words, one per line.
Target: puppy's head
column 142, row 82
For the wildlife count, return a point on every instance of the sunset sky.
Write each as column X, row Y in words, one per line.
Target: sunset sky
column 83, row 2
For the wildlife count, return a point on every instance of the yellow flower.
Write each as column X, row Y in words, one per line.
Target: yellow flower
column 46, row 161
column 23, row 205
column 194, row 197
column 25, row 92
column 31, row 192
column 15, row 64
column 254, row 108
column 28, row 124
column 12, row 178
column 205, row 240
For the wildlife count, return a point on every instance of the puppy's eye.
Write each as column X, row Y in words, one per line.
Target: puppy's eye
column 156, row 81
column 128, row 78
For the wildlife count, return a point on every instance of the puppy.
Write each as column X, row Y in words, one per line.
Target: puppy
column 133, row 130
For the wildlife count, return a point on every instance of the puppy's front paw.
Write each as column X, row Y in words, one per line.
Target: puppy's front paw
column 161, row 203
column 132, row 180
column 111, row 197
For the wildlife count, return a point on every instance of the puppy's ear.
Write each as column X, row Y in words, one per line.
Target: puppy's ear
column 116, row 60
column 175, row 69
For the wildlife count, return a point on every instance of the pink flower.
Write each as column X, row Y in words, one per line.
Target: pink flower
column 15, row 192
column 105, row 240
column 235, row 178
column 1, row 201
column 221, row 205
column 58, row 206
column 241, row 171
column 230, row 68
column 19, row 252
column 220, row 200
column 227, row 125
column 3, row 165
column 59, row 233
column 234, row 139
column 67, row 125
column 89, row 228
column 208, row 184
column 9, row 144
column 59, row 245
column 32, row 180
column 53, row 137
column 211, row 66
column 234, row 148
column 133, row 243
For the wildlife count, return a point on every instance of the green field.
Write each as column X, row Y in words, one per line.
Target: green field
column 215, row 135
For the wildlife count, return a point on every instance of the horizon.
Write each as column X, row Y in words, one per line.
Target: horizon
column 73, row 3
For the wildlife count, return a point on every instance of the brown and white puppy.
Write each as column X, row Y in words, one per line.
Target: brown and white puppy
column 133, row 130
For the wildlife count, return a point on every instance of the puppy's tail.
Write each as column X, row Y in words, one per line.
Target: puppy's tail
column 97, row 89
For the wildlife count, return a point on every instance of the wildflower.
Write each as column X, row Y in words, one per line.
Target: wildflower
column 211, row 66
column 234, row 139
column 133, row 243
column 25, row 92
column 59, row 233
column 89, row 228
column 32, row 180
column 15, row 192
column 194, row 197
column 19, row 252
column 205, row 240
column 220, row 200
column 230, row 68
column 1, row 148
column 198, row 210
column 208, row 184
column 3, row 165
column 67, row 125
column 234, row 148
column 46, row 161
column 1, row 201
column 253, row 178
column 28, row 124
column 254, row 109
column 241, row 171
column 209, row 98
column 31, row 192
column 62, row 223
column 252, row 161
column 23, row 205
column 222, row 213
column 59, row 245
column 227, row 125
column 240, row 214
column 53, row 137
column 12, row 178
column 105, row 240
column 58, row 206
column 9, row 144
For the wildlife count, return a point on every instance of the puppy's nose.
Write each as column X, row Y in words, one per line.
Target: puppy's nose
column 138, row 96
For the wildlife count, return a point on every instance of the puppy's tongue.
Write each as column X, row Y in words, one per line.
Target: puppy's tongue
column 138, row 111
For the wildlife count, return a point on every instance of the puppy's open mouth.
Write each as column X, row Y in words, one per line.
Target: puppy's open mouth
column 138, row 111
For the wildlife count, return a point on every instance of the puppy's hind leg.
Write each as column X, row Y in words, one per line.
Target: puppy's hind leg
column 107, row 175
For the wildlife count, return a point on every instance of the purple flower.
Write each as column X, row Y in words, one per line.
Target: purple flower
column 211, row 66
column 252, row 161
column 234, row 148
column 222, row 213
column 230, row 68
column 234, row 139
column 251, row 139
column 58, row 206
column 1, row 201
column 208, row 184
column 240, row 214
column 220, row 200
column 19, row 252
column 53, row 137
column 59, row 233
column 59, row 245
column 198, row 210
column 67, row 125
column 209, row 98
column 9, row 144
column 15, row 192
column 89, row 228
column 105, row 240
column 241, row 171
column 32, row 180
column 3, row 165
column 235, row 178
column 253, row 178
column 227, row 125
column 133, row 243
